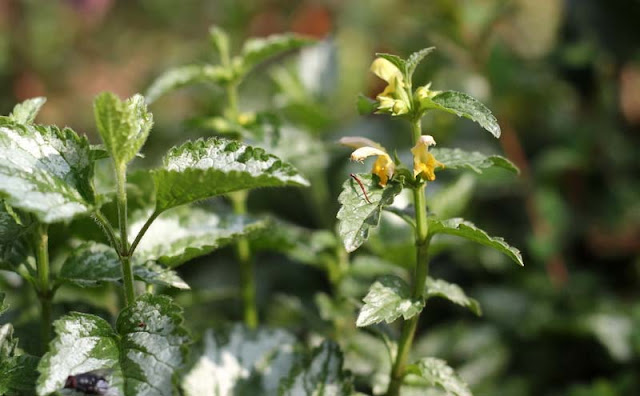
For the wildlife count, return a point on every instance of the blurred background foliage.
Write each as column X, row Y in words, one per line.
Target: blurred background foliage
column 563, row 79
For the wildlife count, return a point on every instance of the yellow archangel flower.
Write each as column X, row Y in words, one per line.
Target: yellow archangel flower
column 424, row 163
column 384, row 167
column 393, row 99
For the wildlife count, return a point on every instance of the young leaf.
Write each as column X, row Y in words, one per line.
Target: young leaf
column 186, row 233
column 206, row 168
column 94, row 263
column 26, row 112
column 357, row 216
column 17, row 371
column 46, row 171
column 466, row 229
column 123, row 125
column 452, row 292
column 414, row 60
column 437, row 373
column 140, row 358
column 475, row 161
column 463, row 105
column 245, row 362
column 321, row 376
column 182, row 76
column 388, row 299
column 258, row 50
column 220, row 40
column 400, row 63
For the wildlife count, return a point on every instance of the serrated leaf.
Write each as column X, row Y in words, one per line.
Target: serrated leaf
column 17, row 371
column 452, row 292
column 244, row 362
column 14, row 240
column 388, row 299
column 438, row 373
column 46, row 171
column 463, row 105
column 357, row 216
column 258, row 50
column 475, row 161
column 140, row 358
column 322, row 375
column 206, row 168
column 182, row 76
column 123, row 125
column 400, row 63
column 468, row 230
column 26, row 112
column 187, row 232
column 414, row 60
column 94, row 263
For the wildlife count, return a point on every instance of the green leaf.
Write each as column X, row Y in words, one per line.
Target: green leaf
column 93, row 263
column 123, row 125
column 220, row 40
column 26, row 112
column 46, row 171
column 357, row 216
column 414, row 60
column 388, row 299
column 17, row 371
column 3, row 306
column 258, row 50
column 186, row 233
column 140, row 358
column 463, row 105
column 322, row 375
column 475, row 161
column 186, row 75
column 366, row 105
column 452, row 292
column 468, row 230
column 400, row 63
column 14, row 240
column 206, row 168
column 244, row 362
column 437, row 373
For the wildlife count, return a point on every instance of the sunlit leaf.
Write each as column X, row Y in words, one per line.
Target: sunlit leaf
column 26, row 112
column 475, row 161
column 463, row 105
column 182, row 76
column 451, row 292
column 437, row 373
column 388, row 299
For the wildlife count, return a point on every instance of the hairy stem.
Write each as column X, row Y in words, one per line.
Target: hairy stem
column 125, row 258
column 420, row 277
column 108, row 230
column 143, row 230
column 44, row 290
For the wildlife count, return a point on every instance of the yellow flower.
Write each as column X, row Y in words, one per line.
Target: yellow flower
column 384, row 167
column 424, row 163
column 394, row 98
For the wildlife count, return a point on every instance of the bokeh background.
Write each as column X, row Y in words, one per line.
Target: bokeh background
column 563, row 79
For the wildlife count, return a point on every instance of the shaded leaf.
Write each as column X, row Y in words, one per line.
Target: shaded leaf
column 14, row 240
column 475, row 161
column 258, row 50
column 414, row 60
column 322, row 375
column 357, row 216
column 388, row 299
column 437, row 373
column 244, row 362
column 46, row 171
column 140, row 358
column 123, row 125
column 452, row 292
column 366, row 105
column 182, row 76
column 463, row 105
column 206, row 168
column 454, row 198
column 3, row 306
column 26, row 112
column 17, row 371
column 468, row 230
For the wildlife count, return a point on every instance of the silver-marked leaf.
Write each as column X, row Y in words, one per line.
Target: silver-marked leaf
column 258, row 50
column 123, row 125
column 388, row 299
column 357, row 216
column 243, row 362
column 475, row 161
column 140, row 358
column 187, row 232
column 17, row 370
column 182, row 76
column 26, row 112
column 463, row 105
column 46, row 171
column 94, row 263
column 466, row 229
column 206, row 168
column 438, row 373
column 414, row 60
column 322, row 375
column 452, row 292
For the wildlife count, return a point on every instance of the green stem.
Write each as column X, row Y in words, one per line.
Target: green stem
column 44, row 290
column 108, row 230
column 125, row 258
column 232, row 97
column 247, row 275
column 420, row 277
column 143, row 230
